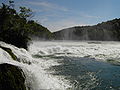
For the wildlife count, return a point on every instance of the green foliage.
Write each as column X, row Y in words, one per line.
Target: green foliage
column 39, row 31
column 105, row 31
column 13, row 27
column 25, row 12
column 16, row 29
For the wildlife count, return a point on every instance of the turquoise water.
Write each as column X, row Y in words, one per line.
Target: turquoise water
column 88, row 74
column 86, row 65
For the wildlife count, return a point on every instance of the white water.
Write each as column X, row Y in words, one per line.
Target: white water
column 37, row 77
column 98, row 50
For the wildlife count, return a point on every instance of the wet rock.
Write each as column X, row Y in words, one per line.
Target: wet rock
column 8, row 50
column 11, row 77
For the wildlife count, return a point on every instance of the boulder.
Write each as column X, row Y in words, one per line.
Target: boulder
column 11, row 77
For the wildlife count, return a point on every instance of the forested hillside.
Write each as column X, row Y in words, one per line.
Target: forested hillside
column 17, row 27
column 109, row 30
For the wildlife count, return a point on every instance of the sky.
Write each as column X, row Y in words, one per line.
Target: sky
column 60, row 14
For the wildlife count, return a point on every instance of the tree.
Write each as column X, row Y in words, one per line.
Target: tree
column 11, row 3
column 16, row 27
column 13, row 27
column 26, row 13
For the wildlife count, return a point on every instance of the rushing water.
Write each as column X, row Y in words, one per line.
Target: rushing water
column 69, row 65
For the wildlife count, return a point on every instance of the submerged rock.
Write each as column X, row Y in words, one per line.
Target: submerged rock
column 8, row 50
column 11, row 77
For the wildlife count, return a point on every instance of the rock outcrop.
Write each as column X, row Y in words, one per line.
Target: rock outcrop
column 11, row 77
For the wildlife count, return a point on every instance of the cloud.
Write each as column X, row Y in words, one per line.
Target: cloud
column 61, row 24
column 58, row 21
column 56, row 17
column 48, row 5
column 89, row 16
column 83, row 14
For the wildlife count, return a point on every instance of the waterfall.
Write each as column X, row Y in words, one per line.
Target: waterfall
column 36, row 77
column 44, row 57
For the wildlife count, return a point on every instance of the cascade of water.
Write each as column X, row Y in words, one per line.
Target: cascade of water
column 36, row 77
column 49, row 53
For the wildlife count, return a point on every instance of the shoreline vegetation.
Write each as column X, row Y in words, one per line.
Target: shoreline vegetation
column 17, row 28
column 105, row 31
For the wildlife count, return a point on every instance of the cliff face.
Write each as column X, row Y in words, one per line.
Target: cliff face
column 109, row 30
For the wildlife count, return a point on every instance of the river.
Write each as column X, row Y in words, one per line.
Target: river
column 70, row 65
column 85, row 65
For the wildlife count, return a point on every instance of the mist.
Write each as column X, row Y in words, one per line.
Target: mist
column 105, row 31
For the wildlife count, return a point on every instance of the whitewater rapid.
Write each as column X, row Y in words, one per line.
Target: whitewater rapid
column 93, row 49
column 43, row 55
column 36, row 77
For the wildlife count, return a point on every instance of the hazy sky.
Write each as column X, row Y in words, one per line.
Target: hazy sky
column 59, row 14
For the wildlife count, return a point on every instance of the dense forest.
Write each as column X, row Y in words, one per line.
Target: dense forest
column 109, row 30
column 17, row 27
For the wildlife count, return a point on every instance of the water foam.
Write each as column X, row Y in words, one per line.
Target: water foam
column 36, row 77
column 101, row 51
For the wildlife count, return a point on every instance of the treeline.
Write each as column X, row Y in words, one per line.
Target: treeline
column 105, row 31
column 17, row 28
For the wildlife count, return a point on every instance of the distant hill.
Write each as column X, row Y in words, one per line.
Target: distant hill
column 39, row 32
column 104, row 31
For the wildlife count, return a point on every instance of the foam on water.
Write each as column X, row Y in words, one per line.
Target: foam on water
column 36, row 77
column 35, row 69
column 101, row 51
column 51, row 53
